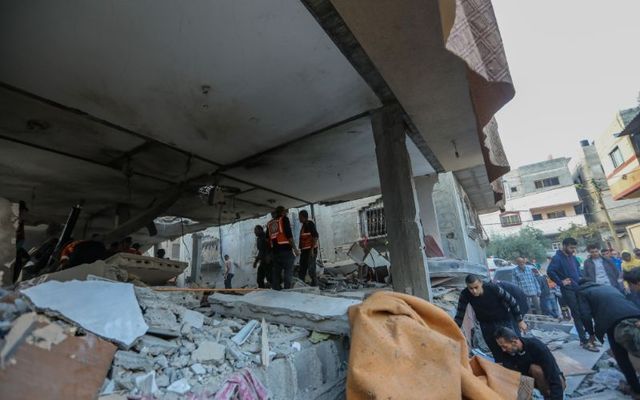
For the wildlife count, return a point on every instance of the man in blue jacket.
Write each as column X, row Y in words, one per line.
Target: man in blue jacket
column 564, row 270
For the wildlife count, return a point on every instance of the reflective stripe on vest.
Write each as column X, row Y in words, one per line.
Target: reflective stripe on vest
column 306, row 240
column 276, row 231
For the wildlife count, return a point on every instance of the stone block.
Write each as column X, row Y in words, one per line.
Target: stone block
column 308, row 369
column 209, row 351
column 193, row 318
column 155, row 345
column 132, row 361
column 311, row 311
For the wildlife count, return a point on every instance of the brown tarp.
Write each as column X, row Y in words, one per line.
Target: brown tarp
column 403, row 347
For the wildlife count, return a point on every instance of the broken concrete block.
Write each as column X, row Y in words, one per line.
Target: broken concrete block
column 209, row 351
column 132, row 361
column 311, row 311
column 150, row 270
column 108, row 309
column 198, row 369
column 193, row 318
column 180, row 386
column 161, row 318
column 146, row 383
column 162, row 381
column 245, row 332
column 180, row 361
column 161, row 361
column 155, row 345
column 185, row 330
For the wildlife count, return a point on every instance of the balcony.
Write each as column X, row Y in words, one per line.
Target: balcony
column 626, row 184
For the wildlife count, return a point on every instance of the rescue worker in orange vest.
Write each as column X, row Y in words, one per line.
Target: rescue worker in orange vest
column 308, row 248
column 283, row 249
column 66, row 252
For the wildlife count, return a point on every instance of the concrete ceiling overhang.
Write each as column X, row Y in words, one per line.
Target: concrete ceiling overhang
column 117, row 103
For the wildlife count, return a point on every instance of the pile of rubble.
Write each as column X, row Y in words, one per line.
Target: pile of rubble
column 183, row 349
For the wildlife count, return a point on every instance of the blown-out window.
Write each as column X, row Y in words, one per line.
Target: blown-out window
column 510, row 219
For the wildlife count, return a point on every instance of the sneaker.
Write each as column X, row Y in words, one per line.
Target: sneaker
column 590, row 347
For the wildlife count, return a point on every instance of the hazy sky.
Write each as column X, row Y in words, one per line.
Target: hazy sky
column 574, row 63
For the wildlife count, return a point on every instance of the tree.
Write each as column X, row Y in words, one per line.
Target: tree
column 529, row 242
column 584, row 234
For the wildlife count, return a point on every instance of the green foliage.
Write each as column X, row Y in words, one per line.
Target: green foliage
column 529, row 242
column 583, row 234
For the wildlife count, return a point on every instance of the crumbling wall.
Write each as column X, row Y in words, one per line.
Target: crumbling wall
column 458, row 240
column 339, row 227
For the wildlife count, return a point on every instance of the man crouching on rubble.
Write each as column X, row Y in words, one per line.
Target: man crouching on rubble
column 619, row 318
column 531, row 357
column 494, row 307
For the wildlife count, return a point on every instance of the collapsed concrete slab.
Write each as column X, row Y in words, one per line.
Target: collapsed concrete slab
column 311, row 311
column 81, row 272
column 150, row 270
column 110, row 310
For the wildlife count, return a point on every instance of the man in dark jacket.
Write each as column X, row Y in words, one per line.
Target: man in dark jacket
column 494, row 308
column 564, row 270
column 599, row 269
column 609, row 308
column 263, row 259
column 531, row 357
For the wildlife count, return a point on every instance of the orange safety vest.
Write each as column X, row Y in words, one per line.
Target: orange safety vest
column 306, row 240
column 68, row 249
column 276, row 231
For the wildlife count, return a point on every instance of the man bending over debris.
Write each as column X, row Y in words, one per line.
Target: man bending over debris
column 494, row 308
column 531, row 357
column 619, row 318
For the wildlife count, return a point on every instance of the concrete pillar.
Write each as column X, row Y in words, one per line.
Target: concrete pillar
column 196, row 257
column 424, row 191
column 409, row 269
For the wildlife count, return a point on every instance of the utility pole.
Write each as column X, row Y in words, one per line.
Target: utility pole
column 612, row 229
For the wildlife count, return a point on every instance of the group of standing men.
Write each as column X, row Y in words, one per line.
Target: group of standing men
column 598, row 306
column 277, row 250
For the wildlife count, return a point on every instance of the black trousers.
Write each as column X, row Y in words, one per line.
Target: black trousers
column 308, row 263
column 282, row 267
column 489, row 328
column 581, row 320
column 227, row 281
column 624, row 363
column 264, row 272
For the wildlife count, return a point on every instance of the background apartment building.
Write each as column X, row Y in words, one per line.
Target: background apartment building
column 598, row 199
column 618, row 148
column 540, row 195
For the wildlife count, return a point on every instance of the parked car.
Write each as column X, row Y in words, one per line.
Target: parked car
column 495, row 263
column 503, row 274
